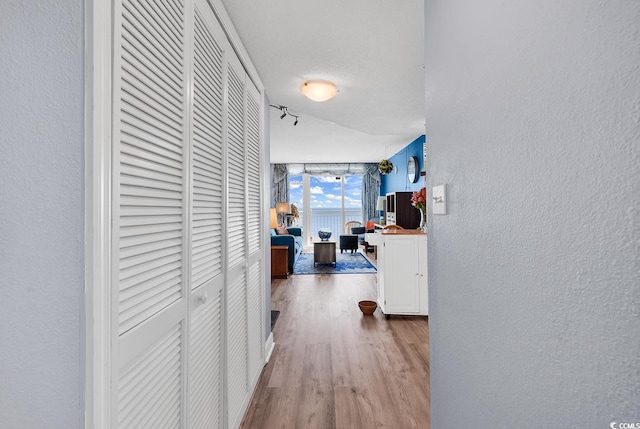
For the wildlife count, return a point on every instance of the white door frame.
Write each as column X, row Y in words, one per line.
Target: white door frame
column 98, row 72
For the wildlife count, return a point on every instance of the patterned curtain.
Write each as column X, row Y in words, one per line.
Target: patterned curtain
column 370, row 190
column 343, row 169
column 279, row 183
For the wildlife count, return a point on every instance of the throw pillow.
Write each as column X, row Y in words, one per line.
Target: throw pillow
column 370, row 225
column 281, row 230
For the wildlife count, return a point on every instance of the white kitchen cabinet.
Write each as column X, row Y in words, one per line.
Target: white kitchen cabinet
column 402, row 272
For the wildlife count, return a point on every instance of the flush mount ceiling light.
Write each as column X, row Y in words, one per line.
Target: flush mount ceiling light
column 319, row 90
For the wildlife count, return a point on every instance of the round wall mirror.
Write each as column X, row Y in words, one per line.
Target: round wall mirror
column 412, row 169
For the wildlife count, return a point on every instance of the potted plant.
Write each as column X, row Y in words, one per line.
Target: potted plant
column 385, row 166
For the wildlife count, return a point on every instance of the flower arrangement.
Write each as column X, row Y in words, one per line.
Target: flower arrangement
column 419, row 199
column 385, row 166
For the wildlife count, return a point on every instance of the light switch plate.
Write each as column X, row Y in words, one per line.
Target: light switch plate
column 439, row 198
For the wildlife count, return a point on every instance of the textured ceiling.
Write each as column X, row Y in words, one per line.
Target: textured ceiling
column 371, row 49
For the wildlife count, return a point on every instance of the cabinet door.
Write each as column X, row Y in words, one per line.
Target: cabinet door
column 401, row 288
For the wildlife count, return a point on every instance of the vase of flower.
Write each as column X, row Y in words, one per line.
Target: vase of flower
column 419, row 201
column 423, row 220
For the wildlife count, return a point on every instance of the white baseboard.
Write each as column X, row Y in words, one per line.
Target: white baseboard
column 269, row 345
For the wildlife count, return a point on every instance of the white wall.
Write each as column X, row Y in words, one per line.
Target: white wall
column 41, row 214
column 533, row 121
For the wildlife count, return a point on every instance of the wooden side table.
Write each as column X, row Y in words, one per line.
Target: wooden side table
column 279, row 262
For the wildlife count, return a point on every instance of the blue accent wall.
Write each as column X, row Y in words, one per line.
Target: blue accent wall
column 397, row 180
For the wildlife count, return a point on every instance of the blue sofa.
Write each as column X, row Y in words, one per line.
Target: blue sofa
column 293, row 240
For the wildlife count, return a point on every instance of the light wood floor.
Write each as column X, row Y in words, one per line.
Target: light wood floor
column 334, row 368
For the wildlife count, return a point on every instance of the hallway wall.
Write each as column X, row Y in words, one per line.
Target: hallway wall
column 41, row 214
column 533, row 119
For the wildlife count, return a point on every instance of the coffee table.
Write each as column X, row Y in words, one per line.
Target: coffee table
column 324, row 252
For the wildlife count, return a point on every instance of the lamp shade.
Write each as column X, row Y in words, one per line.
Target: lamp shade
column 282, row 208
column 381, row 203
column 319, row 90
column 273, row 218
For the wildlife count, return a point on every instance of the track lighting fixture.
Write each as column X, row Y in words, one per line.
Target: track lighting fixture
column 285, row 112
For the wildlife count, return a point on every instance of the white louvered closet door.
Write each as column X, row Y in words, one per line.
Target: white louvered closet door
column 207, row 271
column 149, row 215
column 187, row 248
column 237, row 338
column 255, row 280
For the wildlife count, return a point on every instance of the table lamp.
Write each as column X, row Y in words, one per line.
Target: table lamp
column 282, row 208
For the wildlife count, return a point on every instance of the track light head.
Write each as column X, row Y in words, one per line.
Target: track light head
column 285, row 112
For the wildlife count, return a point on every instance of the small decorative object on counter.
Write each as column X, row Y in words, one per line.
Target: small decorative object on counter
column 419, row 201
column 324, row 234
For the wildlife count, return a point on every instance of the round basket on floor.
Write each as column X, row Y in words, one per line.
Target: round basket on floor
column 367, row 307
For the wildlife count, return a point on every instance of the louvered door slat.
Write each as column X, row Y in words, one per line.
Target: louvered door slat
column 155, row 41
column 152, row 105
column 154, row 302
column 164, row 127
column 141, row 137
column 153, row 253
column 146, row 154
column 145, row 78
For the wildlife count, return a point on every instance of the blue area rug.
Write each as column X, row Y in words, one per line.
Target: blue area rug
column 346, row 263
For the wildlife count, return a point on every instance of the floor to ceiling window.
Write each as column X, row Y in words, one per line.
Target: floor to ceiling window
column 325, row 202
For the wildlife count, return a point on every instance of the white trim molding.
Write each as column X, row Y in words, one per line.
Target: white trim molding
column 97, row 213
column 269, row 345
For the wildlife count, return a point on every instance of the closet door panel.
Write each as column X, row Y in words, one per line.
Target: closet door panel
column 150, row 389
column 207, row 208
column 254, row 169
column 149, row 215
column 236, row 196
column 205, row 364
column 255, row 300
column 255, row 317
column 207, row 167
column 150, row 155
column 237, row 325
column 237, row 352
